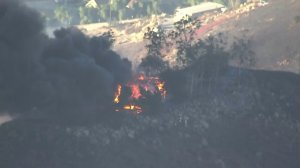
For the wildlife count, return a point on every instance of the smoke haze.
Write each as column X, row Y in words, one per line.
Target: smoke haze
column 70, row 74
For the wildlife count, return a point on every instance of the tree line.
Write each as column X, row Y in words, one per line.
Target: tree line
column 115, row 10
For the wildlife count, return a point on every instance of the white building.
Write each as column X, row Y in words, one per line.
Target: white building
column 197, row 10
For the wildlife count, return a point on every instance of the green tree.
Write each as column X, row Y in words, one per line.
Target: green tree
column 84, row 19
column 62, row 15
column 183, row 36
column 153, row 62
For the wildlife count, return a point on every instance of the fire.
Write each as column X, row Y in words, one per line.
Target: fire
column 135, row 91
column 161, row 88
column 117, row 94
column 135, row 108
column 152, row 85
column 141, row 77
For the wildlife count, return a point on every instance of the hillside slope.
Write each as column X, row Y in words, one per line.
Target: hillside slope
column 274, row 32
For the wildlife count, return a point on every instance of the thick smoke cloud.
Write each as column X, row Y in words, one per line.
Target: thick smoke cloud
column 68, row 75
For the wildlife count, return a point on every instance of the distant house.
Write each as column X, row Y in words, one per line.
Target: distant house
column 197, row 10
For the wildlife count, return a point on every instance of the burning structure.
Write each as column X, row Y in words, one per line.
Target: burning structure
column 139, row 89
column 68, row 76
column 245, row 118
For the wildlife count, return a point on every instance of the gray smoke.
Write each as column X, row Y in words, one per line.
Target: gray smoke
column 68, row 75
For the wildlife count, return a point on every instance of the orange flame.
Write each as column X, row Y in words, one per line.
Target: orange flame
column 138, row 109
column 117, row 94
column 151, row 85
column 141, row 77
column 135, row 91
column 161, row 88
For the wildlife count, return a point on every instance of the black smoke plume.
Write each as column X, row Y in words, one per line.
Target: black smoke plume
column 66, row 76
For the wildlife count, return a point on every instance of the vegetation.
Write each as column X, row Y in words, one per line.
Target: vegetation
column 190, row 51
column 183, row 36
column 223, row 119
column 114, row 10
column 157, row 39
column 205, row 60
column 230, row 126
column 62, row 15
